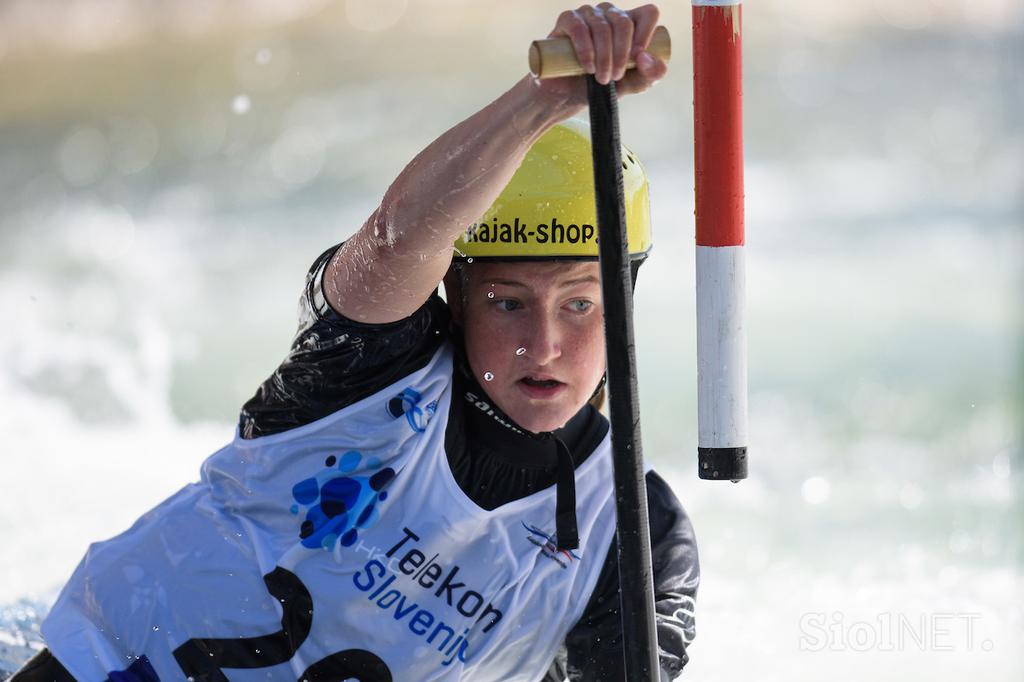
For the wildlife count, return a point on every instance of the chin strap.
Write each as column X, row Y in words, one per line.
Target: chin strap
column 566, row 532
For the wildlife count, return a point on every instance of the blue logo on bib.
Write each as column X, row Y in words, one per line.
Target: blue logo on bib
column 408, row 403
column 340, row 503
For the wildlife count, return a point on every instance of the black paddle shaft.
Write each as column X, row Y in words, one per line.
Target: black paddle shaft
column 636, row 584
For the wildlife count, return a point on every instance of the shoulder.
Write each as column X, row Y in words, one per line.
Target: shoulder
column 316, row 310
column 334, row 362
column 667, row 516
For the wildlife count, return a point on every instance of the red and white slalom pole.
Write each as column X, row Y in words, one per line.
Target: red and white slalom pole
column 721, row 272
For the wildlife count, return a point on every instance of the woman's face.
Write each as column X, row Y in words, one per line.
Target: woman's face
column 534, row 336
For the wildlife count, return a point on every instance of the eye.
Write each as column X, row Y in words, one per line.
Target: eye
column 506, row 304
column 581, row 305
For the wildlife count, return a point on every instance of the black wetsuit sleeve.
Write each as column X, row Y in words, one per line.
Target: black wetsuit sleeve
column 334, row 361
column 42, row 667
column 594, row 645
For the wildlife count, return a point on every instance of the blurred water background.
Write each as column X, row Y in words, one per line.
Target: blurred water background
column 169, row 170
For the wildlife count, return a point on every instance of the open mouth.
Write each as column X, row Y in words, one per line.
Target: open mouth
column 541, row 383
column 541, row 388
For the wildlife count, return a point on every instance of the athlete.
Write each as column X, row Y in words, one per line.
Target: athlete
column 422, row 489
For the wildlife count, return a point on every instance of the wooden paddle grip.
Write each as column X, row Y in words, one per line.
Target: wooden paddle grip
column 555, row 58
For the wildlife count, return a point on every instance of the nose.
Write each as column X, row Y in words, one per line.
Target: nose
column 543, row 339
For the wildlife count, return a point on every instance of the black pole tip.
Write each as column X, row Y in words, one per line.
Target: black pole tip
column 722, row 464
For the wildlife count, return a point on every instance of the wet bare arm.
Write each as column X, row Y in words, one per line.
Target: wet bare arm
column 390, row 266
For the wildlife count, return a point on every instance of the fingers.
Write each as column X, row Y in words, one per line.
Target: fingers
column 645, row 20
column 601, row 34
column 573, row 26
column 649, row 70
column 607, row 38
column 622, row 37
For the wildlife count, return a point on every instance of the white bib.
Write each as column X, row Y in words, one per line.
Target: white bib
column 342, row 549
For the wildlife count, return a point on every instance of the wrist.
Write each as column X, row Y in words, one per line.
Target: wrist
column 536, row 109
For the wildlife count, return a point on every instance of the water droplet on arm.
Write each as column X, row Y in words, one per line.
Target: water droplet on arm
column 488, row 376
column 490, row 294
column 520, row 351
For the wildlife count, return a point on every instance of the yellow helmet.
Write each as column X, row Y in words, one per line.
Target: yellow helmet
column 547, row 209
